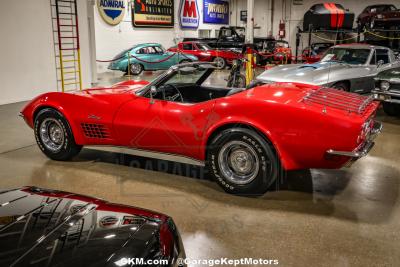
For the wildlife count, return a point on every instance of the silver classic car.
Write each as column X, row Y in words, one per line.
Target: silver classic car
column 350, row 67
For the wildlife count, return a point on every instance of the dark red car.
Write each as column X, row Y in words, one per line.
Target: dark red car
column 206, row 53
column 379, row 16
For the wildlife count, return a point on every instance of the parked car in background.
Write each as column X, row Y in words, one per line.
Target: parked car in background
column 276, row 51
column 42, row 227
column 328, row 16
column 379, row 16
column 350, row 67
column 205, row 53
column 387, row 90
column 316, row 52
column 150, row 56
column 183, row 114
column 232, row 38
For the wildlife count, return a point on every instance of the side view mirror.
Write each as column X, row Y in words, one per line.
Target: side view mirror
column 380, row 63
column 153, row 92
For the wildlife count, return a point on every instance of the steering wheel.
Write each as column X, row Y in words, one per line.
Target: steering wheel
column 177, row 97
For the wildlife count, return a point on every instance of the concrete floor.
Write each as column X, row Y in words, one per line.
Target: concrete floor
column 347, row 217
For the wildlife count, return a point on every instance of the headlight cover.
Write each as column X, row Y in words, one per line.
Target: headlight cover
column 385, row 85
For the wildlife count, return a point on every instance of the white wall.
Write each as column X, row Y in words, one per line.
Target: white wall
column 292, row 15
column 111, row 40
column 27, row 63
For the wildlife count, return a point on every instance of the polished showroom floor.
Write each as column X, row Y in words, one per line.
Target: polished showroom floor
column 347, row 217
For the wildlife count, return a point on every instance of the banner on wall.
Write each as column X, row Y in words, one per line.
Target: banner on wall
column 189, row 16
column 153, row 13
column 112, row 11
column 215, row 11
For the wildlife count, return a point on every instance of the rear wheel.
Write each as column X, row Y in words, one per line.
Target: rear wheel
column 242, row 162
column 220, row 62
column 342, row 86
column 136, row 68
column 391, row 109
column 54, row 136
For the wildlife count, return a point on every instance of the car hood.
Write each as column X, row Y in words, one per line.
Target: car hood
column 316, row 73
column 46, row 226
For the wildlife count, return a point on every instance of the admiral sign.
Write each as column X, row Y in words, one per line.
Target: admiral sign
column 112, row 11
column 189, row 14
column 216, row 12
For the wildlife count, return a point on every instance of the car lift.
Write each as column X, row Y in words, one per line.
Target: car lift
column 382, row 34
column 64, row 15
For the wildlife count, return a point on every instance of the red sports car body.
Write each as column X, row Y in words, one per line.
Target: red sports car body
column 206, row 53
column 240, row 134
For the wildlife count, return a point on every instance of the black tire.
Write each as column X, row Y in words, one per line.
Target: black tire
column 239, row 82
column 391, row 109
column 221, row 62
column 342, row 86
column 136, row 68
column 262, row 159
column 51, row 119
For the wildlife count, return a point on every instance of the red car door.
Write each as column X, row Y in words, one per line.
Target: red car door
column 163, row 126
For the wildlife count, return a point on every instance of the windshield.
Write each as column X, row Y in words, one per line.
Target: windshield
column 203, row 47
column 351, row 56
column 186, row 75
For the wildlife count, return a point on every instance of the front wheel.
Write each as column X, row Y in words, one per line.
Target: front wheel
column 391, row 109
column 242, row 162
column 237, row 81
column 54, row 135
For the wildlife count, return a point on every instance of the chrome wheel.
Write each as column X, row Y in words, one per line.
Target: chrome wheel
column 136, row 69
column 220, row 62
column 52, row 134
column 238, row 162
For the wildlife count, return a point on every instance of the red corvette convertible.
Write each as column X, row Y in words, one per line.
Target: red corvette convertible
column 244, row 136
column 205, row 53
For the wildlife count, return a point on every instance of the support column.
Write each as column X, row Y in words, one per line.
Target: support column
column 250, row 22
column 92, row 41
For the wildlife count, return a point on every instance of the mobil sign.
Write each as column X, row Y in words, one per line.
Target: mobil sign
column 189, row 14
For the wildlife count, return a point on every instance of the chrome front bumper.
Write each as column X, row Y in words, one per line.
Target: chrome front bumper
column 387, row 96
column 362, row 150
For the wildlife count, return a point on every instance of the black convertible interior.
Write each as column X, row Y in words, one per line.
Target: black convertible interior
column 192, row 93
column 186, row 85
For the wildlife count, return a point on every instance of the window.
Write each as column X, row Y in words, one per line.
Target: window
column 159, row 50
column 146, row 50
column 203, row 47
column 187, row 46
column 351, row 56
column 382, row 55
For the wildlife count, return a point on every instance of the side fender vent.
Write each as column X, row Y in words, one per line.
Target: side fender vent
column 93, row 130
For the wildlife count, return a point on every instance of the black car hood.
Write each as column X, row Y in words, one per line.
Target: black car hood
column 40, row 227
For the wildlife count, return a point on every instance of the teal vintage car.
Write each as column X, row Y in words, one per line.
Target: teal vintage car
column 149, row 56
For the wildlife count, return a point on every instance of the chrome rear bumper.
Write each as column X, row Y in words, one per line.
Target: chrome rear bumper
column 362, row 150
